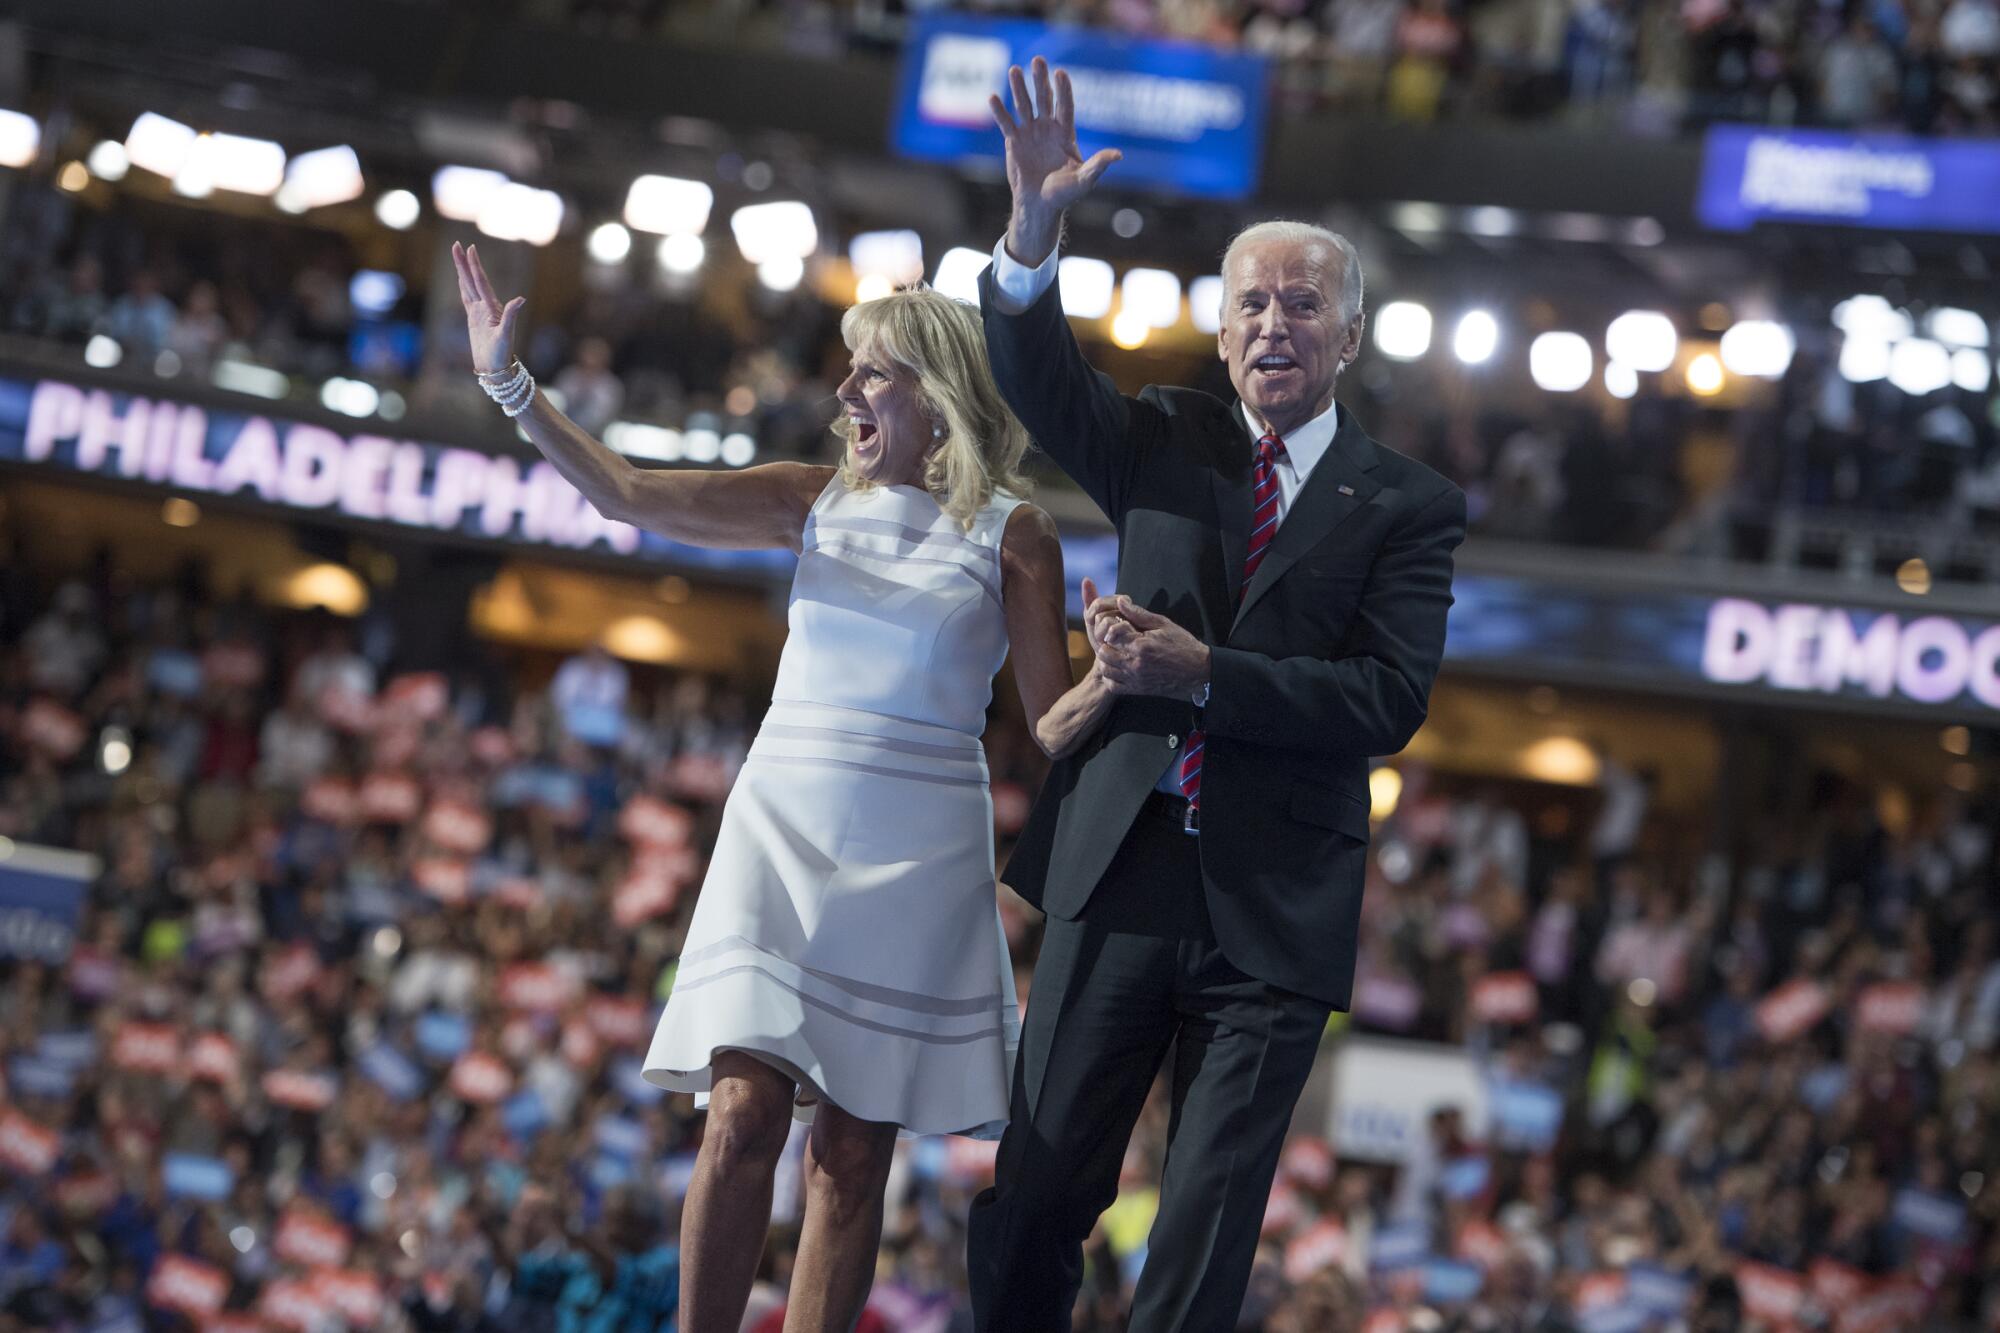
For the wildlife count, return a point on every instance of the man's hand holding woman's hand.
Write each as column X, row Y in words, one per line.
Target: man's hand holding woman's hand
column 1140, row 652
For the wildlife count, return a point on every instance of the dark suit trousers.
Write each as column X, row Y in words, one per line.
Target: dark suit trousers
column 1138, row 972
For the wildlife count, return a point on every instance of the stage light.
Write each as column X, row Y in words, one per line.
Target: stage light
column 247, row 166
column 102, row 352
column 1403, row 330
column 873, row 287
column 781, row 273
column 1560, row 759
column 107, row 160
column 1970, row 370
column 1205, row 303
column 702, row 445
column 1759, row 347
column 642, row 639
column 1560, row 362
column 180, row 512
column 895, row 255
column 1085, row 286
column 325, row 176
column 1476, row 338
column 251, row 378
column 1385, row 788
column 1872, row 318
column 289, row 200
column 958, row 273
column 1152, row 294
column 374, row 292
column 158, row 144
column 682, row 253
column 609, row 243
column 1492, row 221
column 350, row 398
column 1913, row 576
column 462, row 193
column 1704, row 375
column 738, row 450
column 517, row 212
column 635, row 439
column 196, row 178
column 668, row 205
column 1863, row 359
column 1620, row 380
column 1956, row 328
column 782, row 228
column 114, row 752
column 398, row 210
column 1643, row 339
column 1919, row 366
column 73, row 177
column 1130, row 330
column 20, row 139
column 334, row 587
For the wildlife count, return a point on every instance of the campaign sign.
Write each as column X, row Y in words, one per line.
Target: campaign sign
column 188, row 1176
column 41, row 898
column 1188, row 117
column 1753, row 174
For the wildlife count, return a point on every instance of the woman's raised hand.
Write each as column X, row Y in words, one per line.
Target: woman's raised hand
column 489, row 322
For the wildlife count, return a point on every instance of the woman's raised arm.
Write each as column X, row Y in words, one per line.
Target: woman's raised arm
column 759, row 506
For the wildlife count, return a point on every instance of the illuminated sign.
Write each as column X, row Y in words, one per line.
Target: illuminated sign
column 1830, row 650
column 1839, row 654
column 1753, row 174
column 1189, row 118
column 304, row 466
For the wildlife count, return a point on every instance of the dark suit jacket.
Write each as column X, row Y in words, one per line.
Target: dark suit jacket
column 1328, row 659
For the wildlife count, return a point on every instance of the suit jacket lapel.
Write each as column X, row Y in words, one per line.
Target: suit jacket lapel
column 1338, row 486
column 1231, row 479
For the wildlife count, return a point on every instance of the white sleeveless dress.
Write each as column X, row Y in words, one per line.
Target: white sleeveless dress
column 847, row 932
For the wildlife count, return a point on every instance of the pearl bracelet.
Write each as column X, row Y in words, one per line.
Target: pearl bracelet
column 520, row 402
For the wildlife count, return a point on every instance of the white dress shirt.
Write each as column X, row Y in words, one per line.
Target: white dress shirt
column 1018, row 287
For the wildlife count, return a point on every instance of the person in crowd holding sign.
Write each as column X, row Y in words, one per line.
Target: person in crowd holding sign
column 846, row 956
column 1283, row 585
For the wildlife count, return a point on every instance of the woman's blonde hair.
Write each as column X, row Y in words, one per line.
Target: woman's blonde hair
column 939, row 342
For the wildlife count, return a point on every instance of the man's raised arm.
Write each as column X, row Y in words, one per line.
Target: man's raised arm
column 1076, row 415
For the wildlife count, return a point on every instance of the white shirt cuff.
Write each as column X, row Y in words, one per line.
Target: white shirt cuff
column 1018, row 285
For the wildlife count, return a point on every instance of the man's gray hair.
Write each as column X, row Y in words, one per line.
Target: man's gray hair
column 1281, row 229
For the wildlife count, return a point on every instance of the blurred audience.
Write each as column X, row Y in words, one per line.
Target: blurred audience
column 349, row 1033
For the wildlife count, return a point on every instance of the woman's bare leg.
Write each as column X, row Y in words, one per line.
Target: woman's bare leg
column 728, row 1207
column 847, row 1167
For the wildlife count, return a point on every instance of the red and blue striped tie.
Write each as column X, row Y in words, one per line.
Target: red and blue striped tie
column 1263, row 523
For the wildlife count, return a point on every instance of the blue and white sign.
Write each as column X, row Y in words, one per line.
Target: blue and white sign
column 1189, row 118
column 1754, row 174
column 41, row 900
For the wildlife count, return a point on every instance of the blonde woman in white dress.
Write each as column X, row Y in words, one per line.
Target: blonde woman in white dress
column 845, row 961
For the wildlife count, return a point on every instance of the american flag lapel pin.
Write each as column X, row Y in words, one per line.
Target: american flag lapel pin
column 1347, row 490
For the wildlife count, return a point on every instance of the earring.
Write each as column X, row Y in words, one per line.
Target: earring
column 937, row 432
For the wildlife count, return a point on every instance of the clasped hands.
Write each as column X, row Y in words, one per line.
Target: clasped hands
column 1139, row 651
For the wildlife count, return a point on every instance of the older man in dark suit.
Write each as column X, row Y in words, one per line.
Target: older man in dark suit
column 1283, row 582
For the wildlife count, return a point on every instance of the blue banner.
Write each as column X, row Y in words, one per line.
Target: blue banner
column 41, row 901
column 1753, row 174
column 1189, row 118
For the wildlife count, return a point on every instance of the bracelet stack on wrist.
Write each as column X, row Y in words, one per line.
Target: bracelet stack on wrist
column 513, row 388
